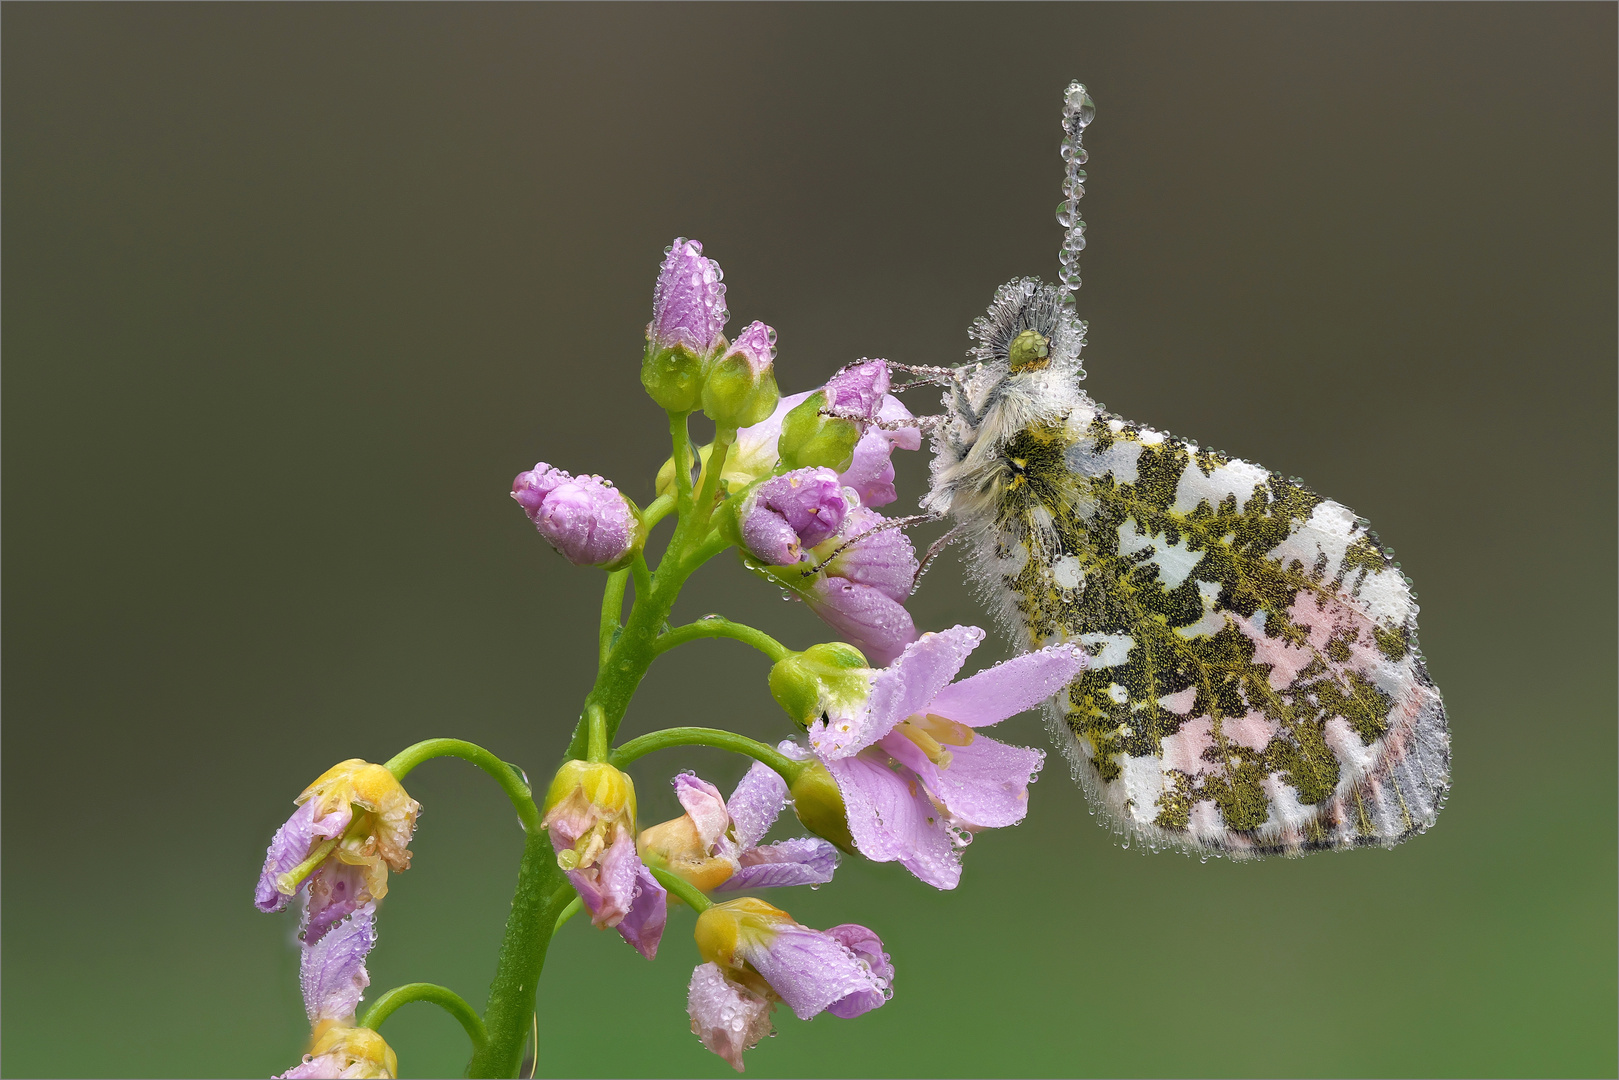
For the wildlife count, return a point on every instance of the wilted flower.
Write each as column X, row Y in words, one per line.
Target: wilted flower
column 781, row 517
column 334, row 977
column 590, row 815
column 765, row 956
column 350, row 829
column 715, row 844
column 587, row 519
column 915, row 776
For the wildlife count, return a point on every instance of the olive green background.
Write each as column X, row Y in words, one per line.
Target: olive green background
column 291, row 292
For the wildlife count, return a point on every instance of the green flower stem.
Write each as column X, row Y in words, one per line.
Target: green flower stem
column 542, row 893
column 509, row 777
column 702, row 736
column 567, row 913
column 691, row 894
column 680, row 436
column 612, row 612
column 723, row 438
column 598, row 732
column 444, row 998
column 657, row 510
column 643, row 577
column 715, row 626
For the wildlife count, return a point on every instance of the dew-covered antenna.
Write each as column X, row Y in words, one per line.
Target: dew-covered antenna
column 1078, row 110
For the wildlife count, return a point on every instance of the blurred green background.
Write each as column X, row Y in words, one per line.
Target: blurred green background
column 291, row 292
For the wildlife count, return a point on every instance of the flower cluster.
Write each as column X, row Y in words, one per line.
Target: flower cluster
column 890, row 761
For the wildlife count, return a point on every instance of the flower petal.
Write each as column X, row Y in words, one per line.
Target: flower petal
column 986, row 784
column 885, row 559
column 333, row 969
column 336, row 890
column 1009, row 688
column 706, row 807
column 904, row 687
column 868, row 949
column 892, row 820
column 808, row 969
column 803, row 860
column 864, row 617
column 756, row 803
column 608, row 886
column 649, row 913
column 291, row 845
column 726, row 1017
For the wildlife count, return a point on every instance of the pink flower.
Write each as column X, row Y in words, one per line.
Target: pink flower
column 916, row 778
column 585, row 518
column 862, row 592
column 786, row 514
column 715, row 844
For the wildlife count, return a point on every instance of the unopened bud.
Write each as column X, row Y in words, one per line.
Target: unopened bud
column 832, row 678
column 687, row 327
column 740, row 389
column 812, row 440
column 783, row 516
column 819, row 805
column 587, row 519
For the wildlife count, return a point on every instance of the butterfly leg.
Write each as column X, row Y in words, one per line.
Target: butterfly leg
column 892, row 523
column 953, row 534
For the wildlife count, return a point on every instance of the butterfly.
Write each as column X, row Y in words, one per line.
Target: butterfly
column 1254, row 684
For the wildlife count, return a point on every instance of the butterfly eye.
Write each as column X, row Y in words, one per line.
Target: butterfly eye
column 1029, row 351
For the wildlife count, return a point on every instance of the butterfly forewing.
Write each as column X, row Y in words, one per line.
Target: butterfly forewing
column 1254, row 684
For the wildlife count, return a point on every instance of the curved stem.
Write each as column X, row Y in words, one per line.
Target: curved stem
column 568, row 912
column 509, row 777
column 691, row 894
column 612, row 613
column 643, row 577
column 716, row 626
column 443, row 997
column 702, row 736
column 657, row 510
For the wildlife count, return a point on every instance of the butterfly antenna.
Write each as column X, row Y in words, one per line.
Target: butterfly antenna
column 1078, row 110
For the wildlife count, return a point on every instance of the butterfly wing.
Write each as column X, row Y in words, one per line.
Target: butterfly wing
column 1255, row 685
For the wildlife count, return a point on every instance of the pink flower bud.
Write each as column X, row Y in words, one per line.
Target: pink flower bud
column 585, row 518
column 688, row 304
column 786, row 514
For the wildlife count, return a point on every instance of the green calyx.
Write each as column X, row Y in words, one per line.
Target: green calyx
column 811, row 440
column 819, row 805
column 735, row 395
column 824, row 679
column 674, row 378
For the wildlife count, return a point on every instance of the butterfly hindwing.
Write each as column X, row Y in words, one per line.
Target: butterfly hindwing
column 1254, row 684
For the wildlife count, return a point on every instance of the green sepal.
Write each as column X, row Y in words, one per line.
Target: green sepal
column 674, row 378
column 735, row 397
column 809, row 440
column 828, row 679
column 819, row 805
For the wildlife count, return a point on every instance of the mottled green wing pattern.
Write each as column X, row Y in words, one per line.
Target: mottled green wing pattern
column 1254, row 684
